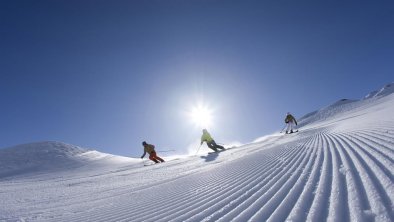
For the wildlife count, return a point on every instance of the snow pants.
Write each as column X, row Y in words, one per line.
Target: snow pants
column 212, row 144
column 154, row 157
column 290, row 127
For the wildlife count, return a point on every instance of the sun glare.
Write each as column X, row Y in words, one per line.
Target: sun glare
column 201, row 116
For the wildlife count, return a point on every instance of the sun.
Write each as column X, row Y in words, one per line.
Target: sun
column 201, row 116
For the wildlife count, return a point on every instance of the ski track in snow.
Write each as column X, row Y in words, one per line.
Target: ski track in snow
column 346, row 176
column 319, row 174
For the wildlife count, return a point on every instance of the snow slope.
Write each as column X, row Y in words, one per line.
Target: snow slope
column 386, row 90
column 49, row 157
column 339, row 167
column 343, row 105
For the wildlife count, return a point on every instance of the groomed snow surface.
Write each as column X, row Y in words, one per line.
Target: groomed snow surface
column 337, row 168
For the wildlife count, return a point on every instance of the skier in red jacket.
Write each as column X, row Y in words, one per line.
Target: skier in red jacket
column 150, row 149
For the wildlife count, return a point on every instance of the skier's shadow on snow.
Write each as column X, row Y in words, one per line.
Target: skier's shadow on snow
column 210, row 157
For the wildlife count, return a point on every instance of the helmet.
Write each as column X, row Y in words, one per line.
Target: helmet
column 204, row 130
column 144, row 143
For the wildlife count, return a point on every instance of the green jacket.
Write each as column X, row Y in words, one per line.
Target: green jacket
column 290, row 118
column 206, row 137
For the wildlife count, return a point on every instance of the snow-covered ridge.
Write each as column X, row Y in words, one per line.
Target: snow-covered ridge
column 328, row 112
column 384, row 91
column 344, row 105
column 371, row 94
column 45, row 156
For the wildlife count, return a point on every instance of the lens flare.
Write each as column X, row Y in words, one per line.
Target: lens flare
column 201, row 116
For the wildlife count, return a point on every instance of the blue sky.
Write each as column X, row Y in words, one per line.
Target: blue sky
column 110, row 74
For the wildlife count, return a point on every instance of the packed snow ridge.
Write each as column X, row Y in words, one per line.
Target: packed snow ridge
column 339, row 167
column 36, row 157
column 46, row 157
column 386, row 90
column 344, row 105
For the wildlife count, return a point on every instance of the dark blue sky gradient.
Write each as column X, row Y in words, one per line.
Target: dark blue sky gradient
column 109, row 74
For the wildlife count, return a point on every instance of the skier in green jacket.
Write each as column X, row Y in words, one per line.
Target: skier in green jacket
column 206, row 137
column 290, row 121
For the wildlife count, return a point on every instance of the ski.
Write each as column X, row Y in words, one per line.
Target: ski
column 216, row 151
column 293, row 132
column 152, row 164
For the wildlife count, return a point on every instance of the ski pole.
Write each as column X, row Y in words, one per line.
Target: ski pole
column 283, row 128
column 198, row 149
column 164, row 151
